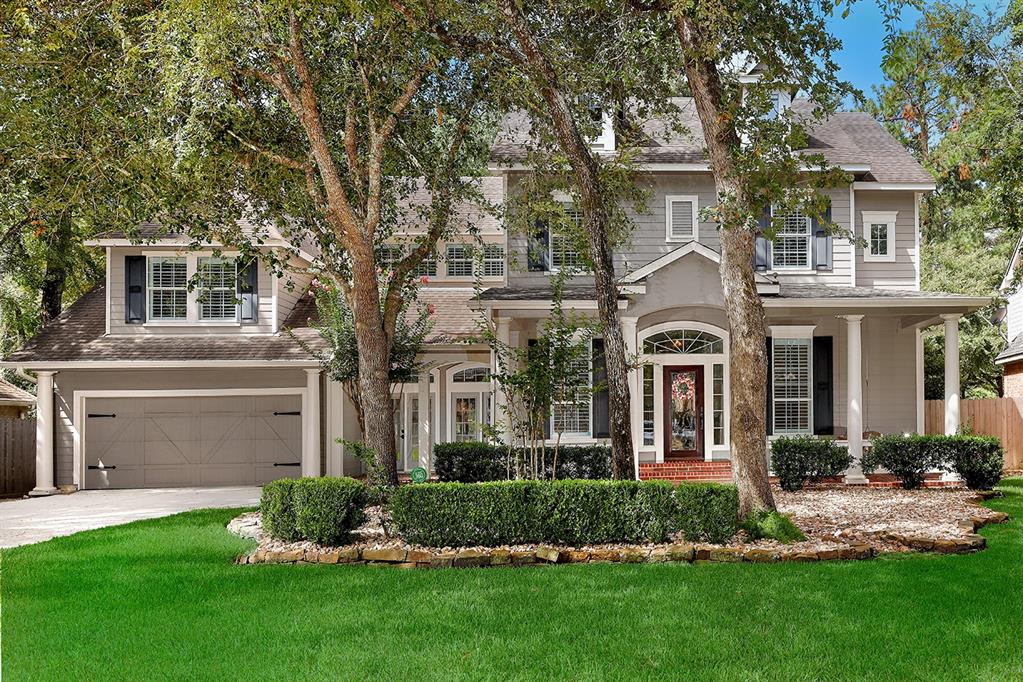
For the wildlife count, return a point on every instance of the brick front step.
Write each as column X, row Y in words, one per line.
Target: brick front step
column 687, row 470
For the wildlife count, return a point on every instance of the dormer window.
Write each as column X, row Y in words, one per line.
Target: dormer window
column 168, row 289
column 218, row 279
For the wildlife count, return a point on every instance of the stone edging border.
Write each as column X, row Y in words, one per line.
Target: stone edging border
column 677, row 553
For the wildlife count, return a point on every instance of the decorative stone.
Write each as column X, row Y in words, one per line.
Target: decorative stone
column 385, row 554
column 658, row 555
column 286, row 556
column 521, row 558
column 469, row 558
column 945, row 546
column 702, row 552
column 548, row 554
column 312, row 556
column 348, row 555
column 803, row 556
column 604, row 555
column 761, row 555
column 681, row 552
column 967, row 524
column 633, row 556
column 500, row 557
column 445, row 560
column 725, row 554
column 920, row 542
column 418, row 556
column 576, row 556
column 259, row 557
column 406, row 565
column 829, row 554
column 997, row 517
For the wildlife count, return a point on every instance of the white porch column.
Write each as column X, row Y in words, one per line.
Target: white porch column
column 44, row 435
column 503, row 330
column 635, row 387
column 951, row 373
column 311, row 424
column 854, row 408
column 425, row 442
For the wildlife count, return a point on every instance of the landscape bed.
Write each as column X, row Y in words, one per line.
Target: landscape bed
column 840, row 523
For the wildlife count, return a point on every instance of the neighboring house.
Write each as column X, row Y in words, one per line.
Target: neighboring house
column 1011, row 358
column 14, row 402
column 145, row 383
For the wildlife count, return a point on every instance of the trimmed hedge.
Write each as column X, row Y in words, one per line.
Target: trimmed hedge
column 323, row 510
column 977, row 459
column 573, row 512
column 799, row 459
column 475, row 462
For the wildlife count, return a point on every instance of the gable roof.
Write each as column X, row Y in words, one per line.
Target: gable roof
column 12, row 395
column 765, row 284
column 1009, row 277
column 849, row 139
column 1014, row 351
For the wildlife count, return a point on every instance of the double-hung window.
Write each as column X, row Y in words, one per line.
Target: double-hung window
column 571, row 409
column 493, row 260
column 879, row 232
column 792, row 242
column 428, row 266
column 791, row 387
column 563, row 252
column 168, row 288
column 218, row 278
column 459, row 261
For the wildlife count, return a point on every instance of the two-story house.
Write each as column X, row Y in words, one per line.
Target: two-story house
column 144, row 382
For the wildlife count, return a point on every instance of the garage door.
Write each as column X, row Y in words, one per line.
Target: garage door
column 191, row 441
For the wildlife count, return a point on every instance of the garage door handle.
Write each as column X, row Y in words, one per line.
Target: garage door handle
column 287, row 464
column 106, row 416
column 97, row 466
column 284, row 414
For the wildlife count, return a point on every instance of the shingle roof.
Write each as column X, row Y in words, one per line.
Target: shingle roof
column 539, row 293
column 1014, row 351
column 79, row 334
column 9, row 393
column 851, row 137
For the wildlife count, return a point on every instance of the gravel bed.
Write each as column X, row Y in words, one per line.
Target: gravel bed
column 829, row 517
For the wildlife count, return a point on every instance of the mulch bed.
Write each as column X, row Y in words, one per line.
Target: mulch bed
column 839, row 522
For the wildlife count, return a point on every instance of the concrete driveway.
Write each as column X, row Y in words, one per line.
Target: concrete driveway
column 23, row 522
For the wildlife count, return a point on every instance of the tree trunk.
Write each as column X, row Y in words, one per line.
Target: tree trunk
column 374, row 371
column 745, row 310
column 58, row 243
column 597, row 225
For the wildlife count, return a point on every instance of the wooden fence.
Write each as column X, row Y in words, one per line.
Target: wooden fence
column 1001, row 417
column 17, row 455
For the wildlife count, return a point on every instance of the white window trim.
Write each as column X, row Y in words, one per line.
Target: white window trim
column 879, row 218
column 191, row 268
column 577, row 435
column 671, row 199
column 802, row 333
column 795, row 269
column 237, row 304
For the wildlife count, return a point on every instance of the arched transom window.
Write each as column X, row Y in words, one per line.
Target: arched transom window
column 683, row 341
column 471, row 375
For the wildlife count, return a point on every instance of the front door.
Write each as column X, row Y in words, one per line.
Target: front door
column 683, row 412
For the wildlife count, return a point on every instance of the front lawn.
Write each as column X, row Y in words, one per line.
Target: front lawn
column 161, row 599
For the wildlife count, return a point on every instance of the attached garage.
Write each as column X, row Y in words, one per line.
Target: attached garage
column 148, row 441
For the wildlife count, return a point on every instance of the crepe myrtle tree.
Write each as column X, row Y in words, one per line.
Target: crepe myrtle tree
column 752, row 145
column 572, row 68
column 329, row 123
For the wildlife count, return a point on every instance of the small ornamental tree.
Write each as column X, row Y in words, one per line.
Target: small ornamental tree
column 536, row 378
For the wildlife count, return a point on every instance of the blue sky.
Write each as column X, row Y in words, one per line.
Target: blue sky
column 862, row 36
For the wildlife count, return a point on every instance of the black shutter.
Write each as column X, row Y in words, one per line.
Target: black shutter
column 531, row 345
column 134, row 289
column 248, row 292
column 823, row 386
column 601, row 415
column 538, row 250
column 770, row 386
column 762, row 248
column 822, row 243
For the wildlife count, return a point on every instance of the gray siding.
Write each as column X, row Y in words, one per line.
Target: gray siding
column 900, row 274
column 649, row 237
column 68, row 381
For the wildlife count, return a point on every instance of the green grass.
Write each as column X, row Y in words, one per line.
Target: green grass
column 162, row 600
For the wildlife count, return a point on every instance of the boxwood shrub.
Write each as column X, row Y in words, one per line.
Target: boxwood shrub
column 977, row 459
column 323, row 510
column 574, row 512
column 474, row 462
column 800, row 459
column 908, row 458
